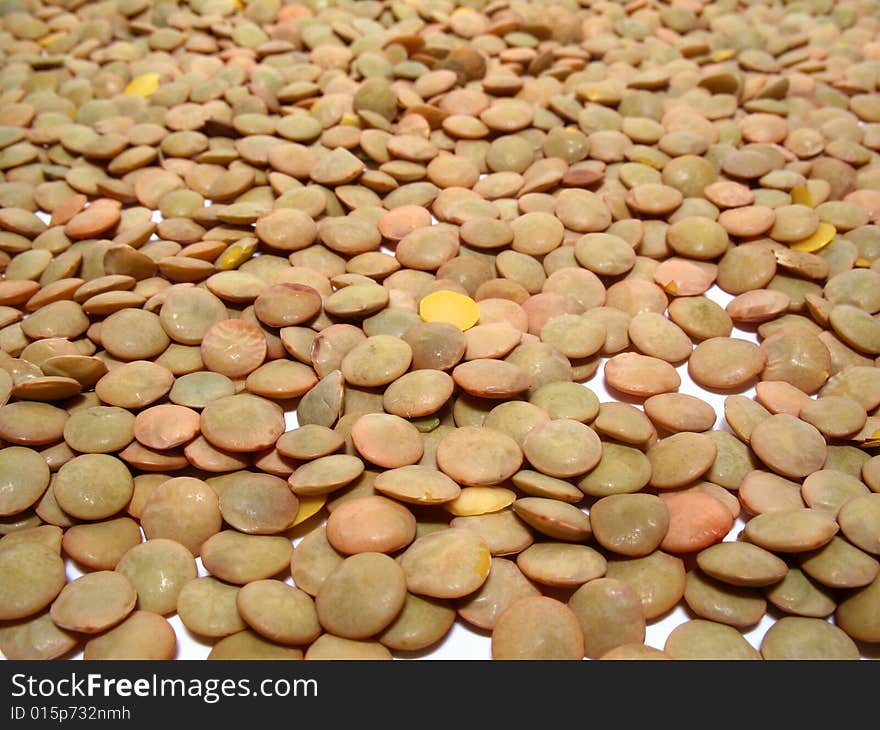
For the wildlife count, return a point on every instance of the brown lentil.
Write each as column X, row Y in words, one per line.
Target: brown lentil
column 215, row 250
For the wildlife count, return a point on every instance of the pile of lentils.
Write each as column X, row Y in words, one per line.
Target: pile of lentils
column 307, row 308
